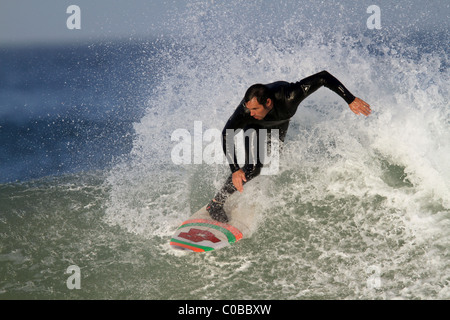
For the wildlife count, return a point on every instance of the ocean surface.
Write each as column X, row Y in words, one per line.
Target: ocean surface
column 360, row 207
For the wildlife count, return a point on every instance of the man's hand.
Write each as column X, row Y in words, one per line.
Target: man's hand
column 237, row 178
column 359, row 106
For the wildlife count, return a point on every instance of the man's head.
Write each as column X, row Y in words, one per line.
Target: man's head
column 258, row 100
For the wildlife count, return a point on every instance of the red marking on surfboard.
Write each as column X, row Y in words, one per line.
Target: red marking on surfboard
column 197, row 235
column 238, row 234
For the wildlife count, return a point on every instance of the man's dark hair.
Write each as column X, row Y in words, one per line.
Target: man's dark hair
column 258, row 91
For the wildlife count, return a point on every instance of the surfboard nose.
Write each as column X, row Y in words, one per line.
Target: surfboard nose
column 201, row 233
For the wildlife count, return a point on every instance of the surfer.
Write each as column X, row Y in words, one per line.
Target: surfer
column 269, row 106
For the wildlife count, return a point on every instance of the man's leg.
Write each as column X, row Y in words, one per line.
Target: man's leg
column 215, row 207
column 251, row 169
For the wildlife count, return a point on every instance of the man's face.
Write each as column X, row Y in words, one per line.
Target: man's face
column 257, row 110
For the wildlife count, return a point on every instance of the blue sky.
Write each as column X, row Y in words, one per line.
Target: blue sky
column 25, row 21
column 44, row 21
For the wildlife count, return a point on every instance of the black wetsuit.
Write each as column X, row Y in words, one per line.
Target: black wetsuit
column 286, row 98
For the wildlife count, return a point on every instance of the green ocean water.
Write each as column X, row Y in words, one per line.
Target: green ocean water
column 330, row 247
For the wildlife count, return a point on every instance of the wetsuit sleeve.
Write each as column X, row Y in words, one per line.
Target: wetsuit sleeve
column 237, row 121
column 305, row 87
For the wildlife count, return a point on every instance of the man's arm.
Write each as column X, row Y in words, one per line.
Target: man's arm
column 236, row 121
column 307, row 86
column 310, row 84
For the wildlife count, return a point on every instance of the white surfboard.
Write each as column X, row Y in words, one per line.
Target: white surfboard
column 201, row 233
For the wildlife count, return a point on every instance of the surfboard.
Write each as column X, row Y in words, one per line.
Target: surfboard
column 201, row 233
